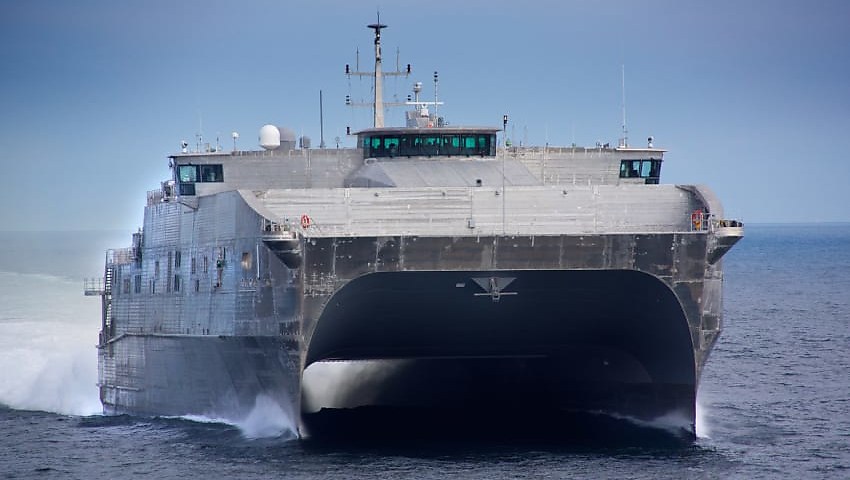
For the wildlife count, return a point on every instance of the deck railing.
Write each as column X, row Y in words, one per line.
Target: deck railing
column 706, row 222
column 93, row 286
column 120, row 256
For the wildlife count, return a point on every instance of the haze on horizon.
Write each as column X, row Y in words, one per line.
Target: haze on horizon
column 750, row 98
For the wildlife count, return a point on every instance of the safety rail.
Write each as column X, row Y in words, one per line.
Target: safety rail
column 121, row 256
column 155, row 197
column 727, row 223
column 165, row 193
column 700, row 221
column 474, row 227
column 93, row 287
column 706, row 222
column 272, row 227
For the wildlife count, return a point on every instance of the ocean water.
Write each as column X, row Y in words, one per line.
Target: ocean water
column 774, row 401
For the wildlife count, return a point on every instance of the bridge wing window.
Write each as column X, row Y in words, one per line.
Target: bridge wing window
column 200, row 173
column 649, row 169
column 187, row 173
column 645, row 168
column 211, row 173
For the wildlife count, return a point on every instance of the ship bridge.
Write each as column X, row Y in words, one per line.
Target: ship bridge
column 428, row 142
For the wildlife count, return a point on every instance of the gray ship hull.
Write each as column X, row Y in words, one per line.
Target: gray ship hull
column 215, row 376
column 396, row 329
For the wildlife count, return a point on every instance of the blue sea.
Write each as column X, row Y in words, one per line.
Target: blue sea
column 774, row 401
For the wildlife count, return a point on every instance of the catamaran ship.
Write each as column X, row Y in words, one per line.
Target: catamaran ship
column 429, row 272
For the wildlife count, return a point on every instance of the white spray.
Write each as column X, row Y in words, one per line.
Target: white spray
column 48, row 332
column 703, row 429
column 267, row 419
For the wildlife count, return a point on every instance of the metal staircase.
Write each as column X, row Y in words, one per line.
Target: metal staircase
column 103, row 287
column 106, row 298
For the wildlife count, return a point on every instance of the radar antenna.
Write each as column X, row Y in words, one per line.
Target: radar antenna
column 378, row 102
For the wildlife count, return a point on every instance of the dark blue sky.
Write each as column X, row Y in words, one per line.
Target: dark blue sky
column 750, row 97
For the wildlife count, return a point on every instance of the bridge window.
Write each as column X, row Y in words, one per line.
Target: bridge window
column 451, row 144
column 211, row 173
column 187, row 189
column 649, row 169
column 429, row 145
column 188, row 175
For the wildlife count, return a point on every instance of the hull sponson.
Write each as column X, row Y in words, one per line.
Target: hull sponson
column 208, row 375
column 203, row 320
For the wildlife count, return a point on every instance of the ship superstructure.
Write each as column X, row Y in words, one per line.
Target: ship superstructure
column 431, row 268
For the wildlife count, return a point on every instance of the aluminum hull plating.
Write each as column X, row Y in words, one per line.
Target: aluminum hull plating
column 219, row 377
column 620, row 324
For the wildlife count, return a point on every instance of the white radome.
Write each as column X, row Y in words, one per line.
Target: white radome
column 269, row 137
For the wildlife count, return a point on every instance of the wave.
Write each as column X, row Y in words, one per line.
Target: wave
column 676, row 424
column 267, row 419
column 48, row 332
column 61, row 382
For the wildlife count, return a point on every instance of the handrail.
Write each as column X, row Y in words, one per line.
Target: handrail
column 277, row 228
column 707, row 222
column 121, row 256
column 93, row 286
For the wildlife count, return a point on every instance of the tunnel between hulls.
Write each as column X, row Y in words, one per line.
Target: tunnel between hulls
column 613, row 341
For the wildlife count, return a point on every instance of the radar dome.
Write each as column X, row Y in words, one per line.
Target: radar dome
column 269, row 137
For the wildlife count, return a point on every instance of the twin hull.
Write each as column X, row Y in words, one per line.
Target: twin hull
column 614, row 323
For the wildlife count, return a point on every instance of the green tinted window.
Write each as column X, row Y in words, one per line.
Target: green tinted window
column 428, row 145
column 187, row 173
column 211, row 173
column 649, row 169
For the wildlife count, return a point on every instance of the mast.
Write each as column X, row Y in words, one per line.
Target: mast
column 321, row 123
column 624, row 142
column 377, row 103
column 379, row 87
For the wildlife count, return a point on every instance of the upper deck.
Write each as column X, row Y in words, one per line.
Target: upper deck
column 200, row 174
column 427, row 152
